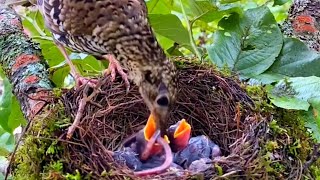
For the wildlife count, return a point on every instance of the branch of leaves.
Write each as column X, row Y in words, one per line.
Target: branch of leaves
column 166, row 19
column 254, row 47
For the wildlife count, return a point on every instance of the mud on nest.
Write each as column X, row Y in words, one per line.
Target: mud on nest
column 214, row 106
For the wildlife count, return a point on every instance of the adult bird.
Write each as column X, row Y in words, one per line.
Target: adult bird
column 117, row 30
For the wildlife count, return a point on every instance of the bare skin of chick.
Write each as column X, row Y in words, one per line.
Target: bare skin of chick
column 164, row 166
column 145, row 154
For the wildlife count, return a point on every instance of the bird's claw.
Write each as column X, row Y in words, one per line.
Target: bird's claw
column 113, row 68
column 82, row 81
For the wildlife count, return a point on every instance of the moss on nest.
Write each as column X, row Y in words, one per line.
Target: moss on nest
column 39, row 156
column 258, row 142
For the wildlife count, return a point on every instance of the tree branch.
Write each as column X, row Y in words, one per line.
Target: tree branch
column 23, row 64
column 303, row 22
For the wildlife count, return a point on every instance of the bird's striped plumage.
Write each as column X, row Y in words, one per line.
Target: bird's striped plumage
column 118, row 27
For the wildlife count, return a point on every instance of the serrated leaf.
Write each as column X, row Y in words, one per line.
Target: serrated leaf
column 288, row 102
column 252, row 45
column 295, row 93
column 296, row 60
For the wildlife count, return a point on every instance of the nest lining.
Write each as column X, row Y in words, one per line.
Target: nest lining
column 214, row 106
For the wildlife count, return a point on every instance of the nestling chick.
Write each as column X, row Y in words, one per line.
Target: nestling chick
column 150, row 151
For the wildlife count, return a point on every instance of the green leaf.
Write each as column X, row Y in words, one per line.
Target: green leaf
column 164, row 42
column 312, row 119
column 214, row 14
column 10, row 111
column 86, row 64
column 50, row 52
column 247, row 45
column 159, row 6
column 228, row 1
column 296, row 60
column 5, row 104
column 59, row 76
column 199, row 7
column 280, row 2
column 16, row 117
column 287, row 102
column 7, row 143
column 266, row 78
column 295, row 93
column 170, row 26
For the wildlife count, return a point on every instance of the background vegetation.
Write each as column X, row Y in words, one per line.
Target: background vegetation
column 239, row 37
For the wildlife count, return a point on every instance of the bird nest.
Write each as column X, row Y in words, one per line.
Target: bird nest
column 214, row 106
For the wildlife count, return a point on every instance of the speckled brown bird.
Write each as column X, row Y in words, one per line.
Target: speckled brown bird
column 117, row 30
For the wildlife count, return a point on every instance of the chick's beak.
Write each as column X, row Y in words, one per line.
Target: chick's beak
column 179, row 135
column 152, row 126
column 150, row 135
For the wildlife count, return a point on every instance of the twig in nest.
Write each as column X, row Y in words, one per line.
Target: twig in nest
column 82, row 104
column 314, row 157
column 238, row 118
column 205, row 100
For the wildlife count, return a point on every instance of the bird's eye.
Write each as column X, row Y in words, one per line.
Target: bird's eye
column 163, row 101
column 147, row 76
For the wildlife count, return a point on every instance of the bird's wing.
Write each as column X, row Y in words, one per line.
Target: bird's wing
column 50, row 11
column 82, row 17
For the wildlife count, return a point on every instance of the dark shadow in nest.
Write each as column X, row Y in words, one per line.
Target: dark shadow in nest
column 214, row 106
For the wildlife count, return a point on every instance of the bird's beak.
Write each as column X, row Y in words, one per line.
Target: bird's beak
column 150, row 137
column 180, row 134
column 157, row 120
column 151, row 127
column 183, row 130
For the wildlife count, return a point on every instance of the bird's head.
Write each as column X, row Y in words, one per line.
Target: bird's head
column 158, row 90
column 152, row 72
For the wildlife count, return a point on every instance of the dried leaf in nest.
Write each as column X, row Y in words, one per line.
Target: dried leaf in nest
column 210, row 103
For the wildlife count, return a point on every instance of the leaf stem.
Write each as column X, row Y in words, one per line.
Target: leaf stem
column 189, row 26
column 35, row 25
column 43, row 38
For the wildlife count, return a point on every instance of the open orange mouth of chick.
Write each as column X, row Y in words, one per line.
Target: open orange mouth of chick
column 151, row 128
column 183, row 129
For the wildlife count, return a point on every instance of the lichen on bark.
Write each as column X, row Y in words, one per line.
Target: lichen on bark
column 23, row 64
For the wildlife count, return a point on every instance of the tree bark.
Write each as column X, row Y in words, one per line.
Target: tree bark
column 23, row 64
column 303, row 22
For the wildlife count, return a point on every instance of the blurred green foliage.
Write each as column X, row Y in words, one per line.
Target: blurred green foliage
column 242, row 35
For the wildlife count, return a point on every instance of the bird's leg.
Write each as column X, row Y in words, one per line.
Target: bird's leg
column 115, row 66
column 74, row 72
